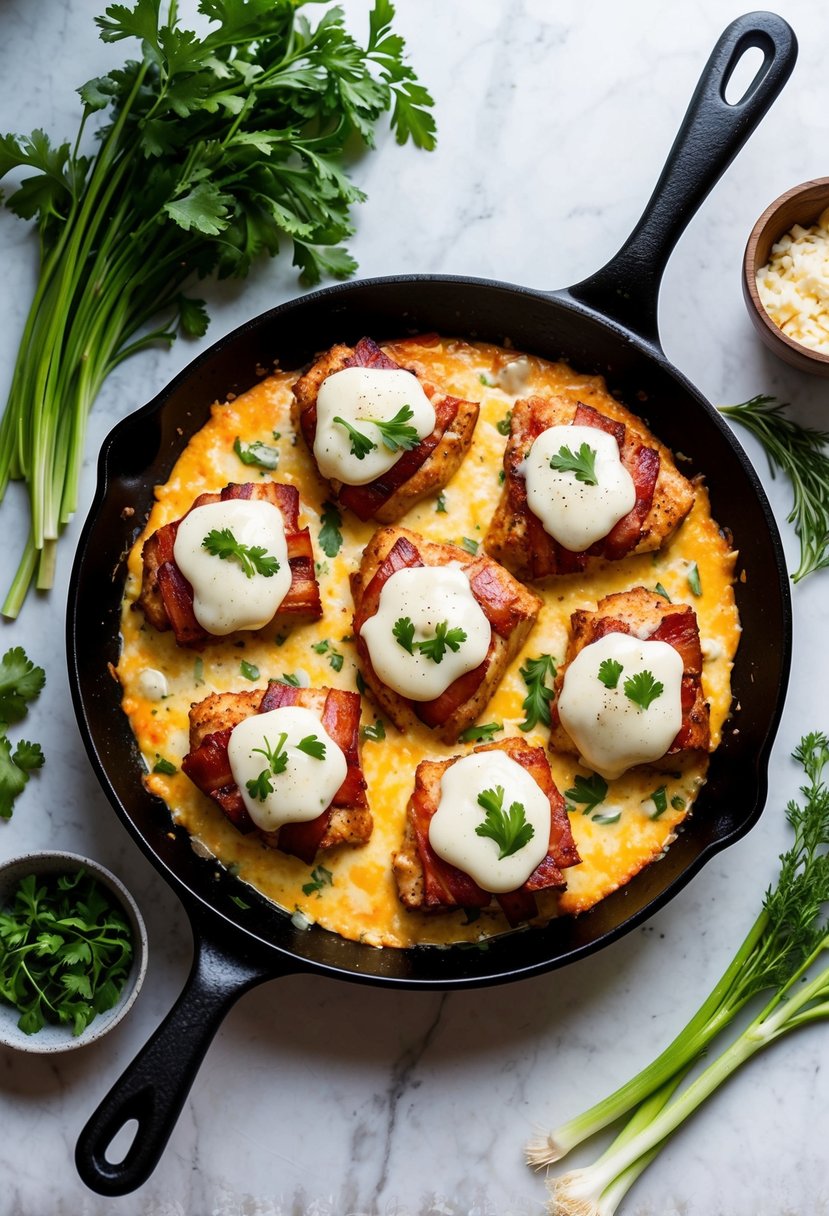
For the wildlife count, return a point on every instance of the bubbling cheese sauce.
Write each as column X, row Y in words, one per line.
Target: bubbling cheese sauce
column 430, row 598
column 362, row 396
column 574, row 511
column 361, row 901
column 225, row 596
column 453, row 828
column 611, row 728
column 302, row 782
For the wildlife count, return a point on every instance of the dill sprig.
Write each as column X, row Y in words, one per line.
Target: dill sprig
column 800, row 452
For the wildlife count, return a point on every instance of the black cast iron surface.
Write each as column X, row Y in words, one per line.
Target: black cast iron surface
column 607, row 324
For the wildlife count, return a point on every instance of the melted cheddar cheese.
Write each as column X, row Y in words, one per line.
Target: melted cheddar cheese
column 361, row 902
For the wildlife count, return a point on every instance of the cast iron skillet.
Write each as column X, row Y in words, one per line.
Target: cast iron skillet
column 607, row 324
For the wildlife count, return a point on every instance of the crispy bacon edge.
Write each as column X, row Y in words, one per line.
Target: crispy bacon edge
column 679, row 628
column 446, row 887
column 175, row 610
column 366, row 500
column 208, row 768
column 546, row 555
column 500, row 610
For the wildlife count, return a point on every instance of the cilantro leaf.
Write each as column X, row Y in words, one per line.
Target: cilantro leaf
column 361, row 445
column 312, row 746
column 587, row 791
column 536, row 704
column 253, row 559
column 643, row 689
column 20, row 683
column 609, row 672
column 581, row 463
column 403, row 631
column 330, row 537
column 395, row 432
column 259, row 787
column 509, row 829
column 276, row 756
column 433, row 648
column 445, row 638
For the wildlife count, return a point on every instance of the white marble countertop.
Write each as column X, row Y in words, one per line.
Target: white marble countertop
column 326, row 1099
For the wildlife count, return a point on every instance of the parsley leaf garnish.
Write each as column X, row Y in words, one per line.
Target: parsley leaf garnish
column 480, row 734
column 433, row 648
column 396, row 433
column 249, row 670
column 536, row 704
column 252, row 558
column 643, row 689
column 331, row 538
column 609, row 672
column 581, row 463
column 588, row 792
column 509, row 829
column 335, row 657
column 440, row 504
column 361, row 445
column 164, row 766
column 694, row 580
column 504, row 424
column 312, row 746
column 258, row 454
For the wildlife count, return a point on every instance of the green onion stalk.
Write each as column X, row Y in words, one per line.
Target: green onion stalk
column 775, row 961
column 217, row 148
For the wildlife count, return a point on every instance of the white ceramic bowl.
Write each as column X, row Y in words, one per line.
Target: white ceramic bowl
column 60, row 1038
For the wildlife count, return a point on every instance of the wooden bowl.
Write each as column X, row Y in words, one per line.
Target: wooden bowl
column 802, row 205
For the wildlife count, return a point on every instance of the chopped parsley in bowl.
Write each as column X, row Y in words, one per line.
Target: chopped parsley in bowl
column 73, row 951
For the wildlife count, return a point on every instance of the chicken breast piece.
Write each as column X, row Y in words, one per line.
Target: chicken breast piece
column 424, row 469
column 509, row 606
column 516, row 536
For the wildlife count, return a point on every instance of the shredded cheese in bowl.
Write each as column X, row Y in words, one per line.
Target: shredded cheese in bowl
column 794, row 284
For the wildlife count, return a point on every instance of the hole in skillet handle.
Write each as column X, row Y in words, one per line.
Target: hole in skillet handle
column 714, row 129
column 124, row 1139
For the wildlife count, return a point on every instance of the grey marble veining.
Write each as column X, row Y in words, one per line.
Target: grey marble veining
column 327, row 1099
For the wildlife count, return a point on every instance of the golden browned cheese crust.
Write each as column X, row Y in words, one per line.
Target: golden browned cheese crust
column 508, row 538
column 525, row 604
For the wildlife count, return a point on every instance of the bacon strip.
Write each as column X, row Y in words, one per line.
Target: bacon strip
column 302, row 597
column 209, row 769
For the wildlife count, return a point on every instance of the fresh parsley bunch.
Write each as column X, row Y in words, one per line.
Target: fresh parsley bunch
column 214, row 150
column 65, row 951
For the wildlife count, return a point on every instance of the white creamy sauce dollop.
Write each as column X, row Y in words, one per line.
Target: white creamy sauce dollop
column 612, row 732
column 573, row 512
column 357, row 394
column 452, row 831
column 152, row 684
column 224, row 597
column 428, row 596
column 307, row 785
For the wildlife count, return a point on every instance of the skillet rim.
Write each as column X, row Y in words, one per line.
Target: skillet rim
column 209, row 918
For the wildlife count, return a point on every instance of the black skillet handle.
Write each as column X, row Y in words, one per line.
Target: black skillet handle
column 155, row 1085
column 712, row 133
